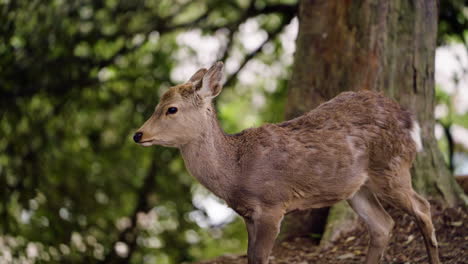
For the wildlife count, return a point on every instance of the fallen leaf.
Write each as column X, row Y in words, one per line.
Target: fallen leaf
column 357, row 252
column 409, row 240
column 346, row 256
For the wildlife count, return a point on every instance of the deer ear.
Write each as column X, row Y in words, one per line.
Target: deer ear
column 211, row 83
column 198, row 75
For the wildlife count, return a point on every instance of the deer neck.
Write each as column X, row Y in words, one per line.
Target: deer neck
column 211, row 158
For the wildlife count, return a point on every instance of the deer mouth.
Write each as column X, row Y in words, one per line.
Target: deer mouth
column 146, row 143
column 151, row 142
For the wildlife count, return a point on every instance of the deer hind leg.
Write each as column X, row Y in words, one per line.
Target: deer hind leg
column 378, row 221
column 395, row 188
column 402, row 196
column 422, row 213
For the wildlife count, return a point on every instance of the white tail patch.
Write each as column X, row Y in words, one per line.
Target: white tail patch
column 416, row 136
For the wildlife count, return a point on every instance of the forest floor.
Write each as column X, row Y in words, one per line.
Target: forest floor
column 406, row 244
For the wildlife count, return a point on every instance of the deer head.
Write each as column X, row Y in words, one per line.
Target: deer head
column 182, row 111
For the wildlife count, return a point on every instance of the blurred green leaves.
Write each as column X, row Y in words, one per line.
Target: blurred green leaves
column 76, row 79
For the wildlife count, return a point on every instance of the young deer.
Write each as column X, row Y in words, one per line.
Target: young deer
column 357, row 147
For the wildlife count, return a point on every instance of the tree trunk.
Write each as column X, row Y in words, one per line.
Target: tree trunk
column 388, row 46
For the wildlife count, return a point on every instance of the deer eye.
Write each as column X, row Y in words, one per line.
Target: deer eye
column 171, row 110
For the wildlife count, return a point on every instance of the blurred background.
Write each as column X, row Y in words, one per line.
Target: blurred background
column 78, row 77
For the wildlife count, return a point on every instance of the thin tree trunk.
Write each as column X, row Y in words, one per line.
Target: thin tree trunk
column 388, row 46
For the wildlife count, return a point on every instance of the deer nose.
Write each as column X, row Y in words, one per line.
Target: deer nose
column 137, row 136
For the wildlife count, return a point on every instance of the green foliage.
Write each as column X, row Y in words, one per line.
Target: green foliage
column 77, row 78
column 453, row 21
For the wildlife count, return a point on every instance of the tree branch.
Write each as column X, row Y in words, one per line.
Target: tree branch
column 251, row 11
column 451, row 145
column 232, row 78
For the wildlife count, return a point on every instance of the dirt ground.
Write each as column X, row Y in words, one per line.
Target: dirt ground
column 406, row 245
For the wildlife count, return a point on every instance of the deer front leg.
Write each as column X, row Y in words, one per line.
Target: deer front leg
column 251, row 237
column 263, row 229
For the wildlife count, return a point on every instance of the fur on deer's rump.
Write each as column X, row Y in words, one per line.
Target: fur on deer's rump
column 358, row 147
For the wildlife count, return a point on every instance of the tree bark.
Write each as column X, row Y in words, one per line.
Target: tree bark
column 387, row 46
